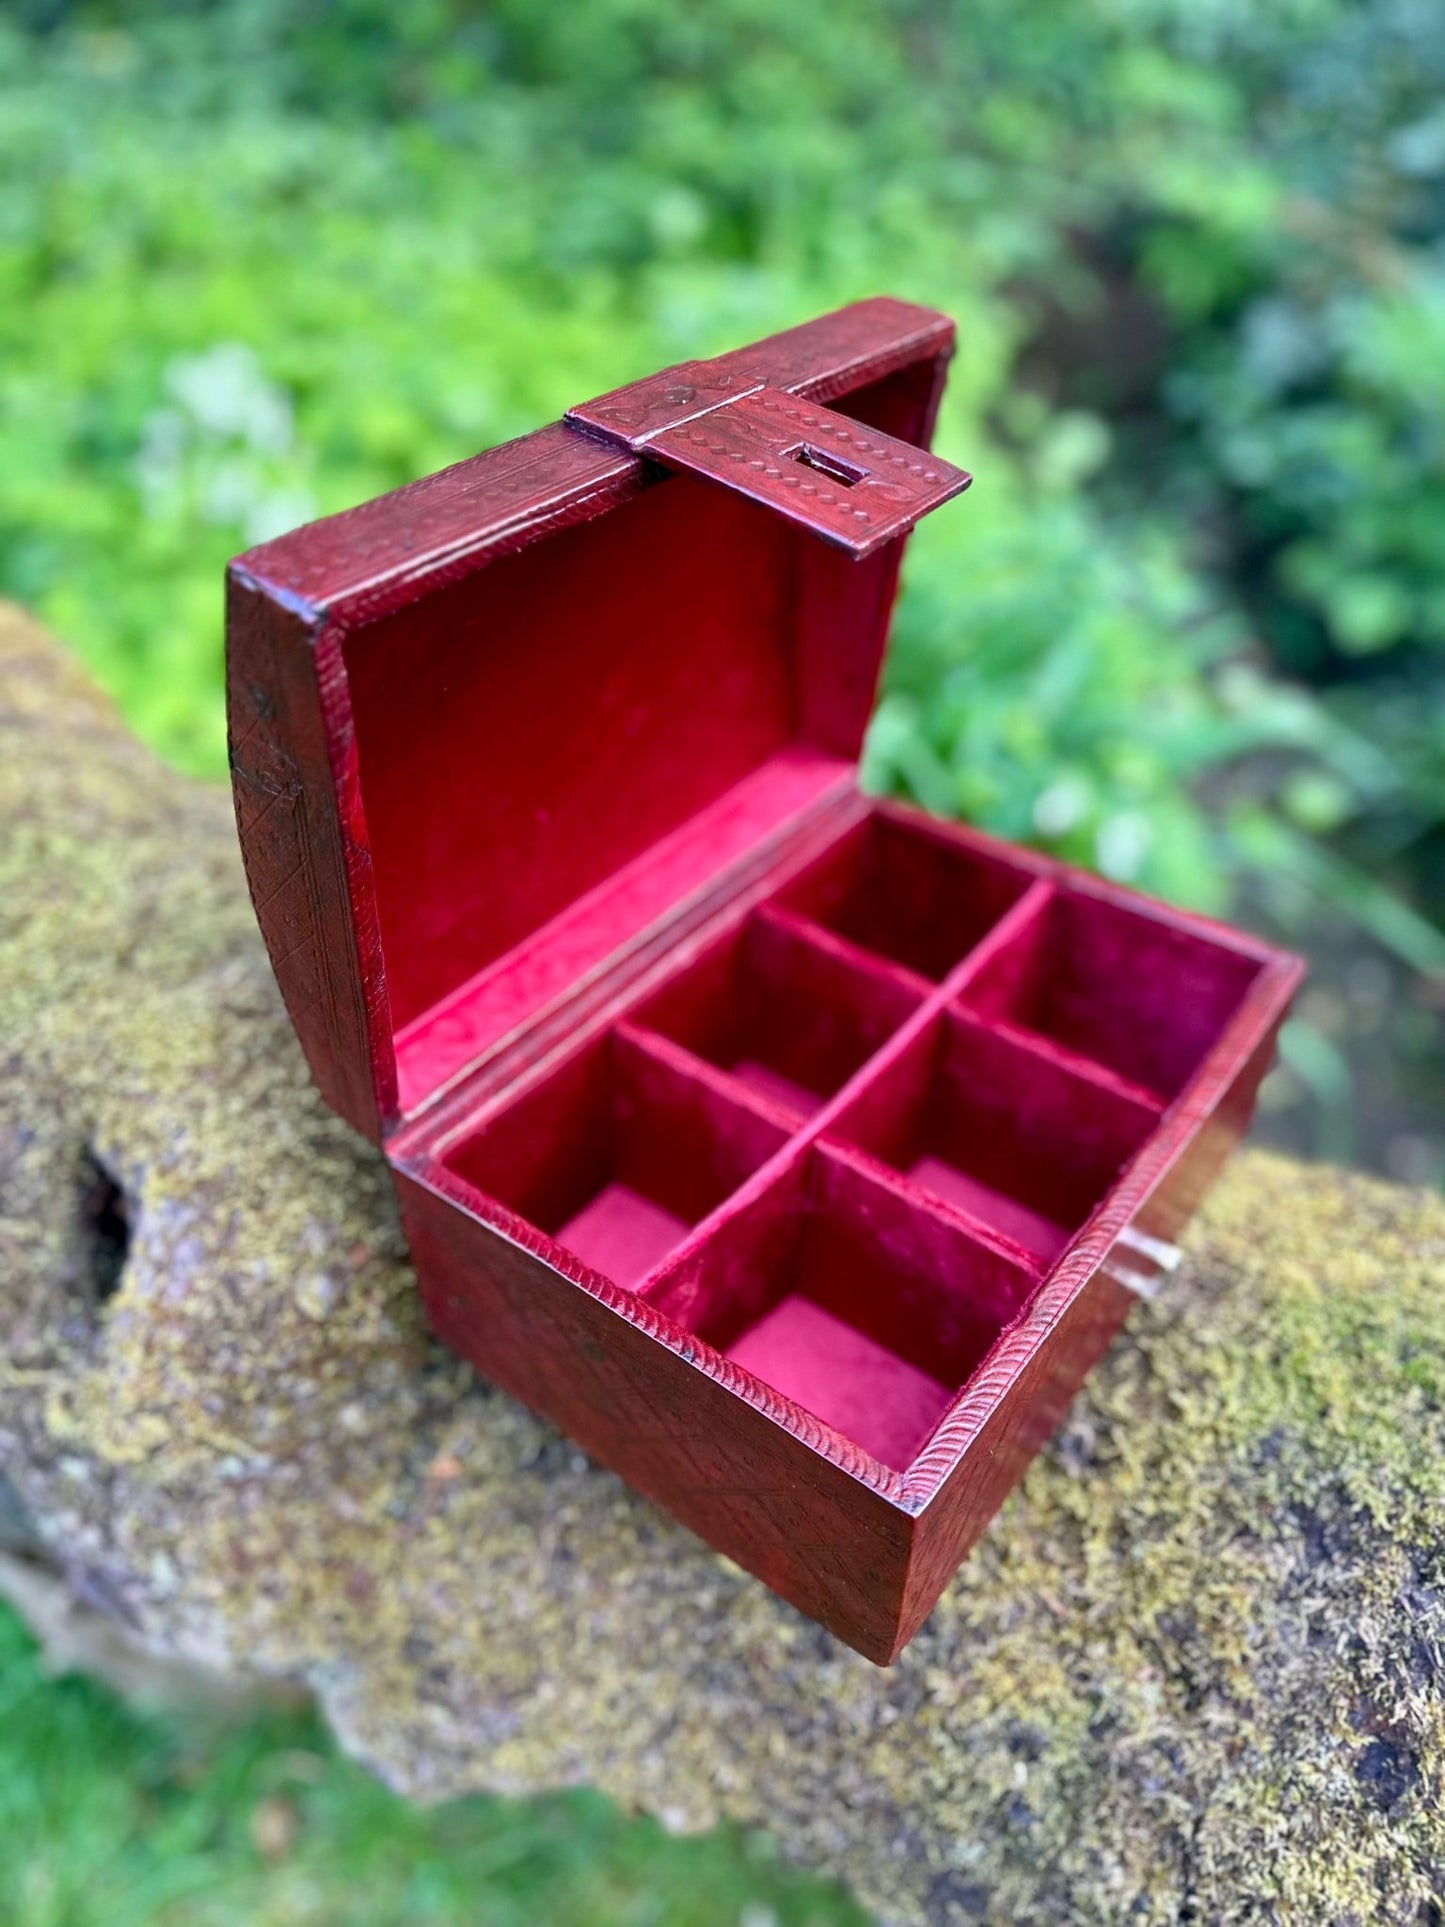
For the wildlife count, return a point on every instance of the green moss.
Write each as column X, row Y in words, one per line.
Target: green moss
column 1193, row 1672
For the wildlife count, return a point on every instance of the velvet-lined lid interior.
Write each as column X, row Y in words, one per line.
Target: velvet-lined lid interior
column 558, row 749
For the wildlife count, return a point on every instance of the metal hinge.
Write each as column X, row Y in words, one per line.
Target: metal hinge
column 850, row 484
column 1159, row 1258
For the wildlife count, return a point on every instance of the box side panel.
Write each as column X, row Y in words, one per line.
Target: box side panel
column 1024, row 1407
column 1023, row 1415
column 287, row 815
column 827, row 1543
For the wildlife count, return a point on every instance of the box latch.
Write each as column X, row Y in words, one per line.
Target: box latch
column 850, row 484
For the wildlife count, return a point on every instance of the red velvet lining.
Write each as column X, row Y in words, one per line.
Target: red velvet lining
column 791, row 1016
column 1000, row 1128
column 865, row 1273
column 911, row 1278
column 557, row 750
column 1124, row 987
column 622, row 1233
column 614, row 1148
column 920, row 899
column 527, row 731
column 925, row 1299
column 563, row 953
column 857, row 1386
column 1035, row 1233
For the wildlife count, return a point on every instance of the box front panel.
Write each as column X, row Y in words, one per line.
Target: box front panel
column 823, row 1540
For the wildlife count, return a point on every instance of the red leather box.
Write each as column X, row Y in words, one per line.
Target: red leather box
column 794, row 1152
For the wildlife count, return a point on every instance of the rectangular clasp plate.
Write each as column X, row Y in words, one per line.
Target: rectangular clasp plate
column 850, row 484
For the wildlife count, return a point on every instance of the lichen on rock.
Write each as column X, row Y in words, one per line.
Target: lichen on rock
column 1192, row 1673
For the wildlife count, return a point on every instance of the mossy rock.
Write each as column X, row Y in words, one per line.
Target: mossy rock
column 1192, row 1674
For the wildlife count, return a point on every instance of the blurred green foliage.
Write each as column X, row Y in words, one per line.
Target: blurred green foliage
column 111, row 1819
column 261, row 259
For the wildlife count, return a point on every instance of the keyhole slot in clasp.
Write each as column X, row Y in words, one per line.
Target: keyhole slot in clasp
column 845, row 474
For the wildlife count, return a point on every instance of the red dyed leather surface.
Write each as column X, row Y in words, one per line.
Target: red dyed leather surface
column 291, row 817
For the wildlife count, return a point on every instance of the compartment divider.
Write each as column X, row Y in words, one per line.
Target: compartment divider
column 1088, row 1069
column 939, row 999
column 936, row 1250
column 1030, row 909
column 870, row 963
column 772, row 1008
column 848, row 1296
column 652, row 1044
column 669, row 1284
column 999, row 1130
column 615, row 1152
column 777, row 1170
column 931, row 1204
column 816, row 1131
column 1125, row 994
column 918, row 892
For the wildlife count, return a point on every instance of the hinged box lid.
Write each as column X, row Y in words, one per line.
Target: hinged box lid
column 496, row 732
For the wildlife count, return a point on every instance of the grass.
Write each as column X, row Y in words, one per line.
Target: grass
column 112, row 1819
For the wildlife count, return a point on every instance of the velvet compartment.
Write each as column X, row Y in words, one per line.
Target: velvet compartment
column 844, row 1140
